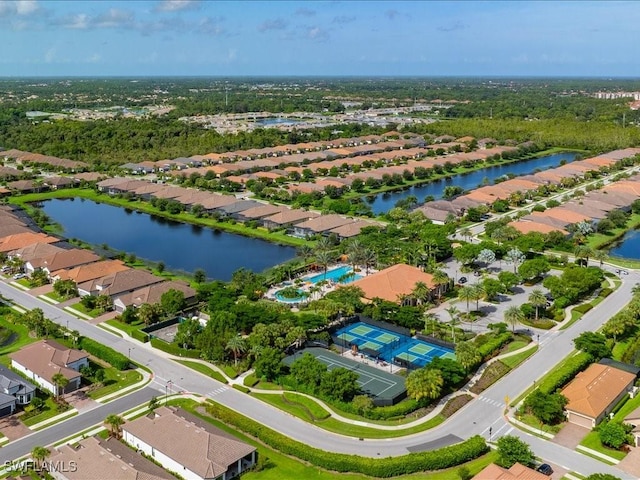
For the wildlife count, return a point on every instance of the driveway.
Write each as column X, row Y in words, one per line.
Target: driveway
column 12, row 428
column 631, row 463
column 571, row 435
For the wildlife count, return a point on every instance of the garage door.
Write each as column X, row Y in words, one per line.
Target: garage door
column 580, row 420
column 5, row 411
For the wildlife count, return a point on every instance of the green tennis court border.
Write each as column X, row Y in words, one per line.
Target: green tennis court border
column 385, row 388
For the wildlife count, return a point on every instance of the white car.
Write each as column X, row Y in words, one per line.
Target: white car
column 18, row 276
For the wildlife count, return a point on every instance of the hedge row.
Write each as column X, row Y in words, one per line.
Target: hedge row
column 605, row 292
column 108, row 354
column 584, row 308
column 561, row 375
column 140, row 335
column 174, row 349
column 391, row 412
column 384, row 467
column 493, row 345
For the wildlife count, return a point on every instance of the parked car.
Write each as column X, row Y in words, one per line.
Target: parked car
column 18, row 276
column 486, row 216
column 462, row 280
column 545, row 469
column 4, row 269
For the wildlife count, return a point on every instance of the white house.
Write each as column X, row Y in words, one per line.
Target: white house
column 42, row 360
column 14, row 390
column 189, row 446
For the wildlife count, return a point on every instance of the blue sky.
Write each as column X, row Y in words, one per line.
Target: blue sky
column 390, row 38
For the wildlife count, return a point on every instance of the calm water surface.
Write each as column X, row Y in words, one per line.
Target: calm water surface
column 628, row 247
column 180, row 246
column 384, row 202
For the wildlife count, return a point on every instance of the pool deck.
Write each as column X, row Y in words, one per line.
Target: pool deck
column 304, row 284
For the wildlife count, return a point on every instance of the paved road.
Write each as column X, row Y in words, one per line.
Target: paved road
column 475, row 418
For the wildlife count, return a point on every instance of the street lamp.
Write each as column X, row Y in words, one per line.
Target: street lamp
column 167, row 390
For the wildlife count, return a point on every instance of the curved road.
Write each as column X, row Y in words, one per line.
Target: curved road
column 476, row 418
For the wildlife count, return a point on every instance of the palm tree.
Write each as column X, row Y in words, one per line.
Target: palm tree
column 323, row 245
column 430, row 318
column 537, row 299
column 420, row 292
column 237, row 346
column 60, row 382
column 424, row 383
column 440, row 279
column 324, row 258
column 478, row 294
column 467, row 355
column 305, row 252
column 583, row 251
column 466, row 233
column 115, row 422
column 454, row 317
column 39, row 454
column 467, row 294
column 370, row 259
column 513, row 316
column 431, row 248
column 601, row 256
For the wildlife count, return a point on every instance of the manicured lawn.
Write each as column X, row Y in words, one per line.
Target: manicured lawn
column 93, row 313
column 48, row 410
column 515, row 360
column 24, row 282
column 229, row 371
column 278, row 466
column 332, row 425
column 515, row 345
column 22, row 338
column 592, row 441
column 54, row 296
column 125, row 327
column 532, row 421
column 205, row 370
column 115, row 380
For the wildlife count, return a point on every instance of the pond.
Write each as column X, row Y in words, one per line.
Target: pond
column 180, row 246
column 628, row 246
column 383, row 202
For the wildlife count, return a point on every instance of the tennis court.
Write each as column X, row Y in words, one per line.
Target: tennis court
column 384, row 387
column 390, row 346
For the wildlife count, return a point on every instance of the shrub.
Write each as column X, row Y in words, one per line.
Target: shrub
column 140, row 335
column 240, row 388
column 251, row 380
column 605, row 292
column 385, row 467
column 584, row 308
column 492, row 345
column 174, row 349
column 108, row 354
column 562, row 374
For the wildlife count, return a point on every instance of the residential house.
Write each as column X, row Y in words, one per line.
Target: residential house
column 593, row 393
column 153, row 293
column 56, row 183
column 393, row 284
column 189, row 446
column 90, row 271
column 11, row 243
column 528, row 226
column 258, row 212
column 353, row 229
column 516, row 472
column 42, row 360
column 320, row 225
column 26, row 186
column 99, row 459
column 118, row 283
column 287, row 217
column 35, row 250
column 14, row 390
column 64, row 260
column 236, row 207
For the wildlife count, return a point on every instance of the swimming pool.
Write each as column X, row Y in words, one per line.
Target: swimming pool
column 337, row 275
column 281, row 298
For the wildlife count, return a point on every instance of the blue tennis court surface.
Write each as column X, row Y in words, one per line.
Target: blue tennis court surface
column 390, row 346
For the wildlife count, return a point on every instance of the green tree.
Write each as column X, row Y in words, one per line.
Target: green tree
column 199, row 276
column 467, row 294
column 508, row 279
column 149, row 313
column 237, row 346
column 538, row 300
column 511, row 450
column 115, row 423
column 362, row 403
column 104, row 303
column 515, row 257
column 614, row 434
column 467, row 355
column 546, row 407
column 595, row 344
column 340, row 384
column 172, row 302
column 66, row 288
column 154, row 403
column 424, row 383
column 39, row 278
column 513, row 316
column 492, row 288
column 269, row 364
column 187, row 333
column 441, row 280
column 536, row 267
column 308, row 371
column 60, row 382
column 602, row 476
column 39, row 454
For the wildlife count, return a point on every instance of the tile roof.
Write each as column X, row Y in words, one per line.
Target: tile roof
column 91, row 271
column 592, row 391
column 10, row 380
column 200, row 447
column 393, row 282
column 153, row 293
column 516, row 472
column 291, row 216
column 47, row 358
column 324, row 222
column 105, row 460
column 525, row 227
column 120, row 282
column 65, row 259
column 21, row 240
column 35, row 250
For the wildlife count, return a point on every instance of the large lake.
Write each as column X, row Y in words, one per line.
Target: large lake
column 182, row 247
column 384, row 202
column 628, row 246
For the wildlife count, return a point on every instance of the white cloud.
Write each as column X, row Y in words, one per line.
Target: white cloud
column 113, row 18
column 176, row 5
column 26, row 7
column 275, row 24
column 78, row 21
